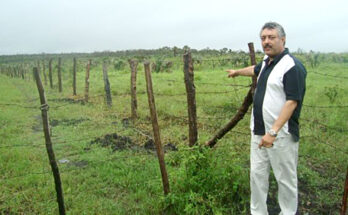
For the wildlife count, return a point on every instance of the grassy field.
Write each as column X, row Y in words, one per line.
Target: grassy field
column 107, row 161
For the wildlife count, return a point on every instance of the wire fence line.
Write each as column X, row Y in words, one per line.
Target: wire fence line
column 81, row 101
column 71, row 141
column 328, row 75
column 98, row 162
column 183, row 117
column 325, row 107
column 163, row 94
column 83, row 166
column 197, row 82
column 221, row 61
column 206, row 83
column 318, row 140
column 338, row 129
column 140, row 152
column 219, row 84
column 90, row 164
column 218, row 60
column 19, row 105
column 172, row 116
column 146, row 133
column 23, row 145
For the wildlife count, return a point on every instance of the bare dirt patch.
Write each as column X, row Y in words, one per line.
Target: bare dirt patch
column 117, row 143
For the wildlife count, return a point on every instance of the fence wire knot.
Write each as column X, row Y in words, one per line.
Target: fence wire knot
column 44, row 107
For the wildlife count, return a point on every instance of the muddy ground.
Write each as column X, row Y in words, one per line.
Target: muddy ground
column 117, row 142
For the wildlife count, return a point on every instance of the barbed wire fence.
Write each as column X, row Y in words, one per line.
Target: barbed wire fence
column 18, row 73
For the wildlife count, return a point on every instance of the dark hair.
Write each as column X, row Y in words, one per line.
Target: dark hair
column 274, row 25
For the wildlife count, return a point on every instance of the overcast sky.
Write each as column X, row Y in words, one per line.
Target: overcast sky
column 56, row 26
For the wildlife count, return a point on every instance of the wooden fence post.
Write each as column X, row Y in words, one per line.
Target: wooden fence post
column 133, row 65
column 107, row 85
column 50, row 73
column 87, row 80
column 13, row 71
column 19, row 71
column 22, row 72
column 24, row 75
column 38, row 68
column 74, row 77
column 156, row 132
column 344, row 198
column 49, row 148
column 60, row 75
column 248, row 100
column 16, row 69
column 191, row 98
column 44, row 72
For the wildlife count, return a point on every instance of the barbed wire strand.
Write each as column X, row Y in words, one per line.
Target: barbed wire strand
column 327, row 75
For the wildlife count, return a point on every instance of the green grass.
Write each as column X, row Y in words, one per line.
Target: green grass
column 97, row 180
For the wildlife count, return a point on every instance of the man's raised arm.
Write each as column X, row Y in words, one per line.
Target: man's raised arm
column 247, row 71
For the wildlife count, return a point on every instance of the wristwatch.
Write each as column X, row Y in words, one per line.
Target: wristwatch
column 272, row 132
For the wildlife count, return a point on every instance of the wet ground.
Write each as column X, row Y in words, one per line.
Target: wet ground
column 117, row 142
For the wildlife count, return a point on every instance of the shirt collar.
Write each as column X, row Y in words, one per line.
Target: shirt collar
column 278, row 57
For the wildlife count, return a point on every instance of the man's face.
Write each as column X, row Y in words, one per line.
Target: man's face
column 272, row 44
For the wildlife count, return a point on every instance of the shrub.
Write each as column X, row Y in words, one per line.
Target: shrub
column 207, row 184
column 161, row 66
column 331, row 93
column 119, row 65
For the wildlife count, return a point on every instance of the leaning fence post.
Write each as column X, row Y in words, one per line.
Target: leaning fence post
column 191, row 98
column 253, row 62
column 87, row 80
column 74, row 76
column 49, row 148
column 156, row 132
column 248, row 99
column 107, row 85
column 344, row 198
column 60, row 75
column 133, row 65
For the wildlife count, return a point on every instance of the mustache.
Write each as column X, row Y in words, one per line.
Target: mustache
column 267, row 46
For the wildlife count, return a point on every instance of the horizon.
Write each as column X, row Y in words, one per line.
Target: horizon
column 124, row 50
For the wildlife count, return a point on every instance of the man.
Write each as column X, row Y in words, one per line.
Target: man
column 274, row 121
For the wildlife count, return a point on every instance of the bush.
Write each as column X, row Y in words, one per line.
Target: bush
column 331, row 93
column 161, row 66
column 119, row 65
column 207, row 184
